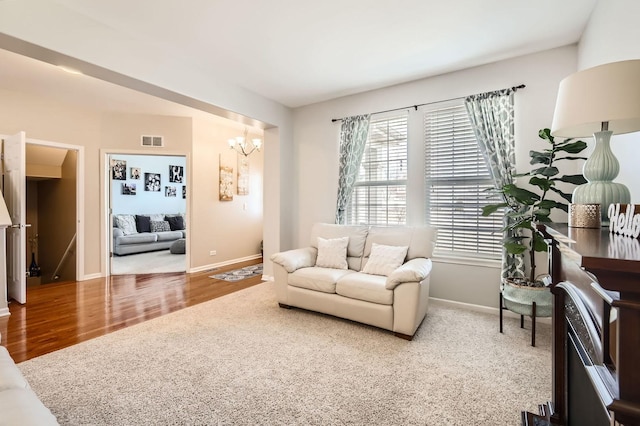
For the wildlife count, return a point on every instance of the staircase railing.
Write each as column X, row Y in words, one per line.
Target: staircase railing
column 66, row 254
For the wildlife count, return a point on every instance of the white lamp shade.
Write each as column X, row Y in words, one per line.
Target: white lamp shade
column 606, row 93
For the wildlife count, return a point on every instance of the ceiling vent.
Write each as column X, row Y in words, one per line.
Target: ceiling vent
column 152, row 141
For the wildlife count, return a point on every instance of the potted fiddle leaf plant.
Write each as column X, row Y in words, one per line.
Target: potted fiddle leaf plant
column 524, row 208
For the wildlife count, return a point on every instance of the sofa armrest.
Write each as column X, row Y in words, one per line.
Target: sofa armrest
column 117, row 232
column 293, row 260
column 414, row 270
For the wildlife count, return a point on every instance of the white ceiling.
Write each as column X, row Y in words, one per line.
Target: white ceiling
column 299, row 52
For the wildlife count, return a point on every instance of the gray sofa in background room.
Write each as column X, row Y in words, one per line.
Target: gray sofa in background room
column 134, row 233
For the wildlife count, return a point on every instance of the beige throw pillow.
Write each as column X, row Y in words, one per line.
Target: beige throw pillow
column 332, row 253
column 383, row 260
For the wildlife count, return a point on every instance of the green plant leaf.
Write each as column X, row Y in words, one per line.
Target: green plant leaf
column 570, row 158
column 546, row 134
column 545, row 171
column 543, row 216
column 564, row 195
column 539, row 157
column 492, row 208
column 573, row 179
column 515, row 248
column 522, row 225
column 543, row 184
column 539, row 244
column 547, row 204
column 521, row 195
column 572, row 147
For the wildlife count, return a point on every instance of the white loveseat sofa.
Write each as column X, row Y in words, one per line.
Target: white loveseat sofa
column 388, row 293
column 19, row 405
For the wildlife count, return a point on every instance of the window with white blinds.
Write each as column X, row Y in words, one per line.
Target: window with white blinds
column 380, row 192
column 456, row 178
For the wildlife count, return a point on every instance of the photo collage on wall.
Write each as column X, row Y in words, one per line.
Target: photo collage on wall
column 152, row 180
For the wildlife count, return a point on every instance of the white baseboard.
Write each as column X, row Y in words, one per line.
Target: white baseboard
column 92, row 276
column 4, row 312
column 481, row 308
column 267, row 277
column 213, row 266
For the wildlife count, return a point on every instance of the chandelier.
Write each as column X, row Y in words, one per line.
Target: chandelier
column 244, row 145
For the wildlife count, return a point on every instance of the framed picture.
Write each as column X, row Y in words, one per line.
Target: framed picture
column 118, row 170
column 152, row 182
column 226, row 183
column 169, row 191
column 128, row 189
column 243, row 175
column 135, row 173
column 176, row 174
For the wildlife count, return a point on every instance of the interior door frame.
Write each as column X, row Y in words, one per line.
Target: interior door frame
column 80, row 177
column 105, row 200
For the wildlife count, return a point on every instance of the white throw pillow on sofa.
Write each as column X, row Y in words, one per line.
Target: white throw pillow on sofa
column 332, row 253
column 127, row 223
column 383, row 260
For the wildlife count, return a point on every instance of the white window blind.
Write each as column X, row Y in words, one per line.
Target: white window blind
column 380, row 192
column 456, row 178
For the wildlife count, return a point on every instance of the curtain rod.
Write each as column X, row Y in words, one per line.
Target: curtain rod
column 514, row 88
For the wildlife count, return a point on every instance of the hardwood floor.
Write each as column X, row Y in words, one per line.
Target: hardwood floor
column 62, row 314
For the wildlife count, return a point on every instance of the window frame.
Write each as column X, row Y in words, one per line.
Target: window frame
column 389, row 183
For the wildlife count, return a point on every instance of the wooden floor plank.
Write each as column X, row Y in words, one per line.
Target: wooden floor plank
column 59, row 315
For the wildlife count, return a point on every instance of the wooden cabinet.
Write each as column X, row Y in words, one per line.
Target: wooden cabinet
column 596, row 328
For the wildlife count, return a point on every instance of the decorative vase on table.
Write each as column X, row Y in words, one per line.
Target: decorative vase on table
column 34, row 269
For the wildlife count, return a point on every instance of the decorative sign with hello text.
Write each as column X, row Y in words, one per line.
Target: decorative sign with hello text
column 624, row 220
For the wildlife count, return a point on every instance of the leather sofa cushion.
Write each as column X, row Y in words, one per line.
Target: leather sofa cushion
column 357, row 236
column 22, row 407
column 369, row 288
column 10, row 375
column 318, row 279
column 137, row 239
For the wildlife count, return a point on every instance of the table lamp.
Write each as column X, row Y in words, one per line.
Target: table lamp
column 600, row 101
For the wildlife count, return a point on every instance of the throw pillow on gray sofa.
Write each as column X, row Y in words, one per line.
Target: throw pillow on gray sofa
column 143, row 223
column 160, row 226
column 176, row 223
column 127, row 223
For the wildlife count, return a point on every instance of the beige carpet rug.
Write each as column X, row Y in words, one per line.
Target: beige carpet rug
column 242, row 360
column 154, row 262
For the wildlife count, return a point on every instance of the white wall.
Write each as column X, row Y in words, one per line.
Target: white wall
column 613, row 34
column 144, row 202
column 316, row 147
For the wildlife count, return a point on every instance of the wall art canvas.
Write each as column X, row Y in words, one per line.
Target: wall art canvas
column 118, row 169
column 152, row 182
column 135, row 173
column 169, row 191
column 226, row 183
column 243, row 175
column 128, row 189
column 176, row 174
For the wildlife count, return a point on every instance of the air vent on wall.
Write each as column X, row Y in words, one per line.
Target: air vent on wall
column 152, row 141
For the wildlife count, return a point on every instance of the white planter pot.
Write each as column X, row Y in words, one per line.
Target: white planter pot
column 520, row 298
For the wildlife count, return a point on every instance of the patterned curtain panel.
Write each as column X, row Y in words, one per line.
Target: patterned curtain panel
column 353, row 138
column 492, row 119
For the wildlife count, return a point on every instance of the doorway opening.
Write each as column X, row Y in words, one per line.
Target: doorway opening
column 148, row 213
column 52, row 212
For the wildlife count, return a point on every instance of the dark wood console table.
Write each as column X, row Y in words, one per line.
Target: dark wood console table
column 596, row 329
